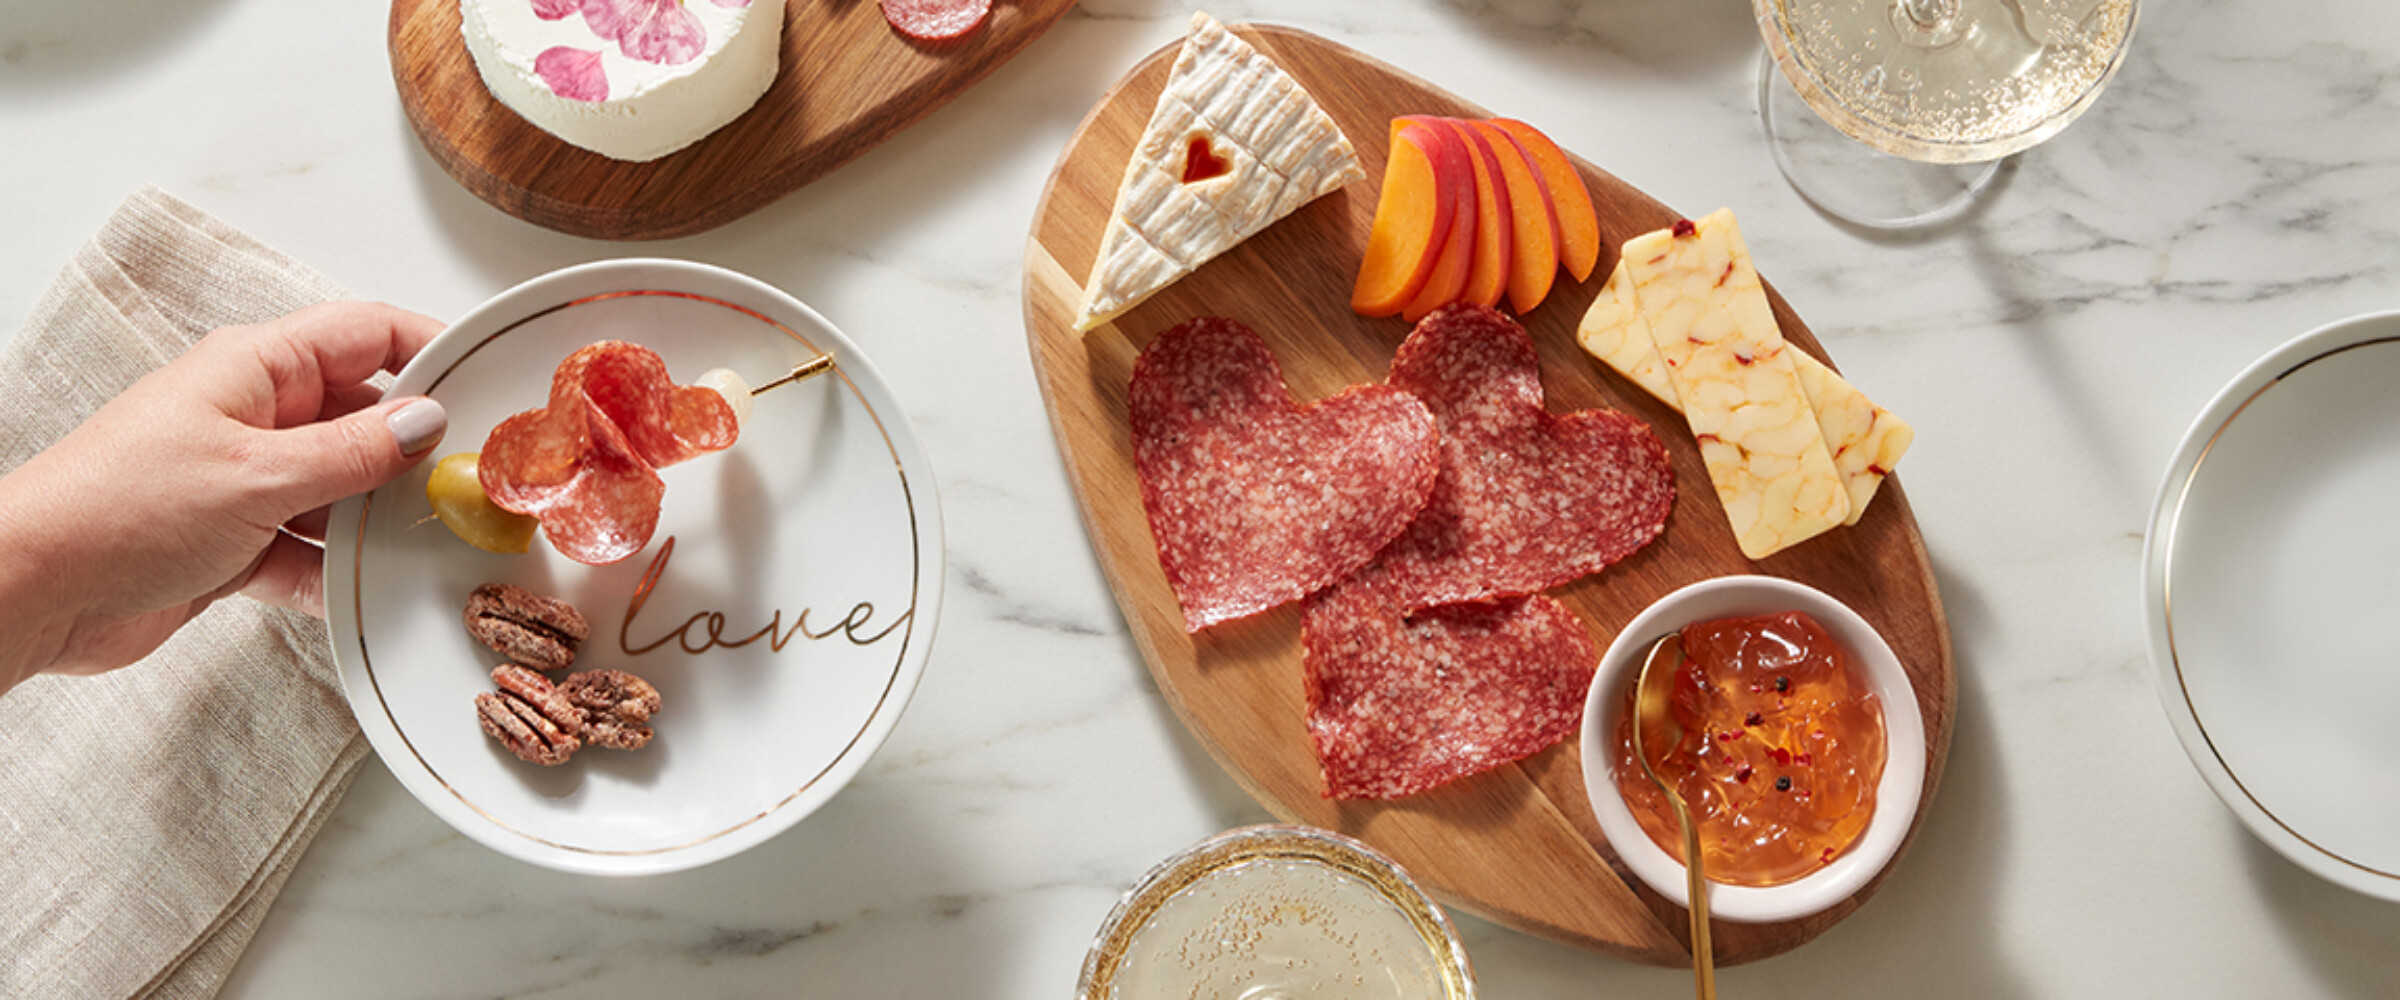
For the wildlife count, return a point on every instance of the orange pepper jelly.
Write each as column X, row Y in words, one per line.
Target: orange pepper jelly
column 1782, row 745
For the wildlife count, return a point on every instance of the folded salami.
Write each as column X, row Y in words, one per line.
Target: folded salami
column 586, row 464
column 1253, row 500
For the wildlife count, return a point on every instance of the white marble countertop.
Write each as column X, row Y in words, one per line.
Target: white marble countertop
column 2238, row 185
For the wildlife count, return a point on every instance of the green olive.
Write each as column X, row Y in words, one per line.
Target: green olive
column 458, row 499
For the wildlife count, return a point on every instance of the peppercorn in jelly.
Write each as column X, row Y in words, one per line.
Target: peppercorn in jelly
column 1782, row 745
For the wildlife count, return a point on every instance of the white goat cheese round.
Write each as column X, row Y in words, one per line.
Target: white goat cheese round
column 628, row 79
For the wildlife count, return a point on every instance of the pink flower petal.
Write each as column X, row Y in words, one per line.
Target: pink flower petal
column 573, row 73
column 607, row 17
column 552, row 10
column 663, row 33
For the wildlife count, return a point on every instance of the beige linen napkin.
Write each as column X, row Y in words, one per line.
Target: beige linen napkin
column 150, row 815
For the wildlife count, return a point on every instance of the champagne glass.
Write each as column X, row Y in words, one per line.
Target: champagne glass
column 1905, row 108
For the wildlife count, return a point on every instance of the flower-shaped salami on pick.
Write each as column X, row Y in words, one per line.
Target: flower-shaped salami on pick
column 586, row 464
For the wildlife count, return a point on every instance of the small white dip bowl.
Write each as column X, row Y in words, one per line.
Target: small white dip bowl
column 1896, row 795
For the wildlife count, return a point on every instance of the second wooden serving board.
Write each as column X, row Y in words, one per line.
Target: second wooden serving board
column 1517, row 845
column 847, row 82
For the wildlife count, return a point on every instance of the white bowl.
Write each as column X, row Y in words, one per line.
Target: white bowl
column 2267, row 579
column 825, row 507
column 1896, row 795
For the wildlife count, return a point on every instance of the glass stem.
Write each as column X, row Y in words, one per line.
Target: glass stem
column 1930, row 15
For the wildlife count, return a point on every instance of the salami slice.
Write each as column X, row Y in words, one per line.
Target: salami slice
column 1253, row 500
column 935, row 20
column 1400, row 703
column 1526, row 499
column 586, row 464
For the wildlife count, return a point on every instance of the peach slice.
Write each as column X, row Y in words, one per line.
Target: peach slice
column 1412, row 218
column 1578, row 224
column 1495, row 221
column 1533, row 264
column 1451, row 271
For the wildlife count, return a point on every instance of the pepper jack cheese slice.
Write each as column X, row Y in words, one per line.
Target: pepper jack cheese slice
column 1233, row 145
column 627, row 79
column 1738, row 386
column 1615, row 331
column 1866, row 439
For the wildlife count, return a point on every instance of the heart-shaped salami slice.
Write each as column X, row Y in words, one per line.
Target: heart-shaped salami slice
column 1399, row 703
column 1253, row 500
column 1527, row 499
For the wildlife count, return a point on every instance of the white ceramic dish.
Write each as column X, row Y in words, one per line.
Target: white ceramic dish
column 818, row 533
column 2272, row 577
column 1896, row 795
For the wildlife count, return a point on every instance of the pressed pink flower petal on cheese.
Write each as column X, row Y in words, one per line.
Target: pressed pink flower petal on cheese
column 658, row 31
column 572, row 73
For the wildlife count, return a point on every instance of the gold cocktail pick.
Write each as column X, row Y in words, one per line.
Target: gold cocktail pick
column 801, row 372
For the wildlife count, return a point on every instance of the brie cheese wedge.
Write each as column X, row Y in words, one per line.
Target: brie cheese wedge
column 1233, row 145
column 627, row 79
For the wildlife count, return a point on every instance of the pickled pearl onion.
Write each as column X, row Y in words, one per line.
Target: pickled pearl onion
column 736, row 392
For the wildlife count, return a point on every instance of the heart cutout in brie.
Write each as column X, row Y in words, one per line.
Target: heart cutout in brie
column 1201, row 161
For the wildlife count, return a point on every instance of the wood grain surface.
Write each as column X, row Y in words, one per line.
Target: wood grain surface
column 1517, row 845
column 847, row 82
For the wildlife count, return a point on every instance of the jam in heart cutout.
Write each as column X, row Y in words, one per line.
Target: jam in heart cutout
column 1201, row 162
column 1252, row 499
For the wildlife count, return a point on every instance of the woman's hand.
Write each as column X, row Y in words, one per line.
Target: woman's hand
column 208, row 477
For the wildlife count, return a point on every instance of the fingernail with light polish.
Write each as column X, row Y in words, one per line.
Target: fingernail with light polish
column 418, row 426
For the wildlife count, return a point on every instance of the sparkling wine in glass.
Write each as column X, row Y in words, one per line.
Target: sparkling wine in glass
column 1927, row 95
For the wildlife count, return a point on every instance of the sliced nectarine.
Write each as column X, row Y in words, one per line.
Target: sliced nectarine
column 1412, row 218
column 1534, row 264
column 1448, row 282
column 1578, row 225
column 1495, row 222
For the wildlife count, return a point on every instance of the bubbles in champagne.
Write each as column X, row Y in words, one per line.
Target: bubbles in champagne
column 1277, row 913
column 1274, row 929
column 1994, row 78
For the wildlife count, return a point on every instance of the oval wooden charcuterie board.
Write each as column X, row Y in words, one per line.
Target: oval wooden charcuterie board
column 847, row 82
column 1517, row 845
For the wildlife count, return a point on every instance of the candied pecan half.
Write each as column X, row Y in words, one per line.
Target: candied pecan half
column 528, row 628
column 616, row 705
column 530, row 717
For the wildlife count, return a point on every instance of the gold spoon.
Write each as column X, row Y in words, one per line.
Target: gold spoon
column 1650, row 693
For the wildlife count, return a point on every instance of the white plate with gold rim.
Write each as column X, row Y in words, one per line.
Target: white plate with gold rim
column 784, row 608
column 2272, row 578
